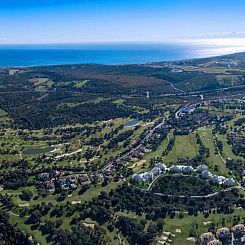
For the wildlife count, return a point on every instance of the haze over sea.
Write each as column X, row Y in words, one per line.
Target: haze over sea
column 106, row 53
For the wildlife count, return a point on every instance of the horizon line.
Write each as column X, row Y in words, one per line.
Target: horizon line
column 183, row 41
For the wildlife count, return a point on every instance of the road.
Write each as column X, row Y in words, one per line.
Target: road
column 182, row 196
column 180, row 90
column 195, row 93
column 181, row 93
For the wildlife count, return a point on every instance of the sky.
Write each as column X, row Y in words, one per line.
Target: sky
column 83, row 21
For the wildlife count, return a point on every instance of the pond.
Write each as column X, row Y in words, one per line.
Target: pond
column 131, row 123
column 39, row 150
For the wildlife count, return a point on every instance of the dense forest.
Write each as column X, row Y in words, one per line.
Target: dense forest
column 182, row 185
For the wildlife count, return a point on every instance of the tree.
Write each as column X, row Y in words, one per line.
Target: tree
column 26, row 195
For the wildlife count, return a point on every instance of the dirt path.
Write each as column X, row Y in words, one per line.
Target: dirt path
column 68, row 154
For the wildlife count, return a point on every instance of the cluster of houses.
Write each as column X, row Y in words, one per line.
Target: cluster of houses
column 66, row 182
column 147, row 176
column 174, row 68
column 140, row 152
column 183, row 169
column 187, row 110
column 228, row 63
column 234, row 235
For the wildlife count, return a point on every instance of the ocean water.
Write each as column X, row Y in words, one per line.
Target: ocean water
column 36, row 55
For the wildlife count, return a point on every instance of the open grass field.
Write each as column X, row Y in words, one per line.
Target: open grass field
column 184, row 147
column 213, row 159
column 227, row 150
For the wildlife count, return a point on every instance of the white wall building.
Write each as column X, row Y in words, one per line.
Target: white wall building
column 147, row 176
column 181, row 169
column 229, row 182
column 202, row 168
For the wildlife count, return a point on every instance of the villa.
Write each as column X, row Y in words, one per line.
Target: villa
column 229, row 182
column 207, row 237
column 202, row 168
column 214, row 242
column 216, row 179
column 224, row 234
column 147, row 176
column 181, row 169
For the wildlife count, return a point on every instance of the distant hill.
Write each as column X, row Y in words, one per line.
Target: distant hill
column 66, row 93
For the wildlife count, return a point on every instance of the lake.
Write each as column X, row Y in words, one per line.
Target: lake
column 39, row 150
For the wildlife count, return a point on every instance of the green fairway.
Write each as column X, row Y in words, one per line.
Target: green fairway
column 227, row 150
column 184, row 147
column 213, row 159
column 3, row 113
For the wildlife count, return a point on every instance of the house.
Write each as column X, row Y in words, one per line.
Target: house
column 49, row 185
column 229, row 182
column 64, row 184
column 215, row 179
column 138, row 178
column 83, row 179
column 224, row 234
column 181, row 169
column 239, row 233
column 214, row 242
column 223, row 230
column 147, row 176
column 239, row 227
column 243, row 239
column 158, row 169
column 207, row 237
column 206, row 174
column 202, row 168
column 187, row 169
column 176, row 168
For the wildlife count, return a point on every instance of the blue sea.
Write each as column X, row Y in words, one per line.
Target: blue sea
column 39, row 55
